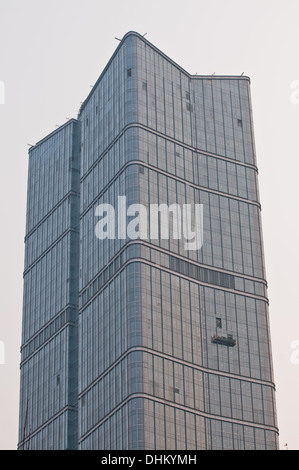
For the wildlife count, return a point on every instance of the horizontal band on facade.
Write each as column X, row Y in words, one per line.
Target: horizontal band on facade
column 82, row 306
column 66, row 317
column 168, row 175
column 50, row 247
column 67, row 408
column 185, row 408
column 200, row 274
column 177, row 360
column 51, row 212
column 136, row 125
column 157, row 248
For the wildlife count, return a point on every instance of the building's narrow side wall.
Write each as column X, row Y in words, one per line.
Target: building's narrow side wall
column 49, row 366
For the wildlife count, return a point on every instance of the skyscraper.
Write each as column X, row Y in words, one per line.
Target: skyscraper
column 137, row 342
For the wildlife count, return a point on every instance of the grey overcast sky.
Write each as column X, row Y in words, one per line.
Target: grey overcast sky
column 51, row 52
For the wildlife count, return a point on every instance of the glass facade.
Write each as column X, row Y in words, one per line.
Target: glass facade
column 49, row 352
column 173, row 345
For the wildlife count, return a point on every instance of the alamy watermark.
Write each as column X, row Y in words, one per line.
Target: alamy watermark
column 295, row 93
column 2, row 92
column 295, row 354
column 139, row 222
column 2, row 353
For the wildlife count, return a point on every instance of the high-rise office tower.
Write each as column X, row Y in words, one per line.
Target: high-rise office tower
column 135, row 334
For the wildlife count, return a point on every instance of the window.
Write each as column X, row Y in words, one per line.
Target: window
column 129, row 72
column 240, row 122
column 218, row 323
